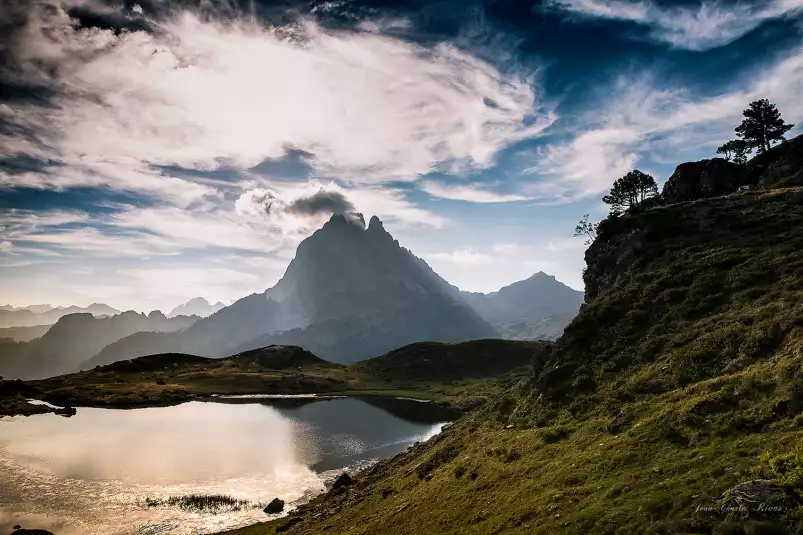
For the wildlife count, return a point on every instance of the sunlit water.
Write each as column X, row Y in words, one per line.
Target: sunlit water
column 91, row 474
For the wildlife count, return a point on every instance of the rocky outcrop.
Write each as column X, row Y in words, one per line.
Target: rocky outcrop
column 706, row 178
column 780, row 167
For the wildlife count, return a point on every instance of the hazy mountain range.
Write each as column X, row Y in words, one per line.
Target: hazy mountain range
column 350, row 293
column 67, row 343
column 46, row 315
column 197, row 306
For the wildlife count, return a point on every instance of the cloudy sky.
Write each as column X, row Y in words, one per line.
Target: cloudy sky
column 159, row 150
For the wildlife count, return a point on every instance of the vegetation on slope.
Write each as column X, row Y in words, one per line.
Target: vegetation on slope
column 465, row 374
column 679, row 382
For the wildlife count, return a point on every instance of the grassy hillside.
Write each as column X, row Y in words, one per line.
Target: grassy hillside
column 466, row 374
column 679, row 380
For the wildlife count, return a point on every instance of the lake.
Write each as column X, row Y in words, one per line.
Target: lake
column 107, row 471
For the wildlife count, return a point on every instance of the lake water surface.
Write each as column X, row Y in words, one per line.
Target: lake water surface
column 92, row 473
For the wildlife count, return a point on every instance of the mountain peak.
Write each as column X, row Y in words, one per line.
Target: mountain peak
column 376, row 227
column 353, row 219
column 197, row 306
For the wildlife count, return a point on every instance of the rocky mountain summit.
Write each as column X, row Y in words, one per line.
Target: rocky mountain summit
column 350, row 293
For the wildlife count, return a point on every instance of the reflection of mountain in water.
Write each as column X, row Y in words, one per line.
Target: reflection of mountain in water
column 100, row 463
column 340, row 432
column 413, row 410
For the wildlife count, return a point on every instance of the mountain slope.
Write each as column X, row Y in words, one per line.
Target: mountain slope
column 679, row 381
column 536, row 308
column 351, row 292
column 73, row 338
column 23, row 334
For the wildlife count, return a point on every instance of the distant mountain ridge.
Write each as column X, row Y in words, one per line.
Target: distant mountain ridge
column 350, row 293
column 197, row 306
column 537, row 308
column 45, row 314
column 67, row 343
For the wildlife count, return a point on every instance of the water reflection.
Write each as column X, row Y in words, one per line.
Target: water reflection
column 90, row 473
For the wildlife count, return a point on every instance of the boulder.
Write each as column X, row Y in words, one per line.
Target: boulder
column 342, row 480
column 706, row 178
column 274, row 507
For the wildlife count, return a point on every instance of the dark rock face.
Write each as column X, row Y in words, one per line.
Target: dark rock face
column 706, row 178
column 780, row 167
column 31, row 532
column 275, row 506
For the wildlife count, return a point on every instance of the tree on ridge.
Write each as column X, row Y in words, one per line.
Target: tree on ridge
column 762, row 125
column 631, row 190
column 736, row 151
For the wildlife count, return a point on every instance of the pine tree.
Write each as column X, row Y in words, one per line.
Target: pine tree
column 736, row 151
column 630, row 191
column 762, row 125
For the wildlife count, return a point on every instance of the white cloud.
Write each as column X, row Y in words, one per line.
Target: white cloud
column 199, row 93
column 710, row 25
column 645, row 118
column 468, row 193
column 506, row 247
column 5, row 245
column 386, row 203
column 461, row 257
column 93, row 241
column 124, row 174
column 566, row 244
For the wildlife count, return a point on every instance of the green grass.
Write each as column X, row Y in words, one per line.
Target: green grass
column 464, row 375
column 681, row 378
column 203, row 503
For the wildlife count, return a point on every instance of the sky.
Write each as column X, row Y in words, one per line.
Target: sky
column 159, row 150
